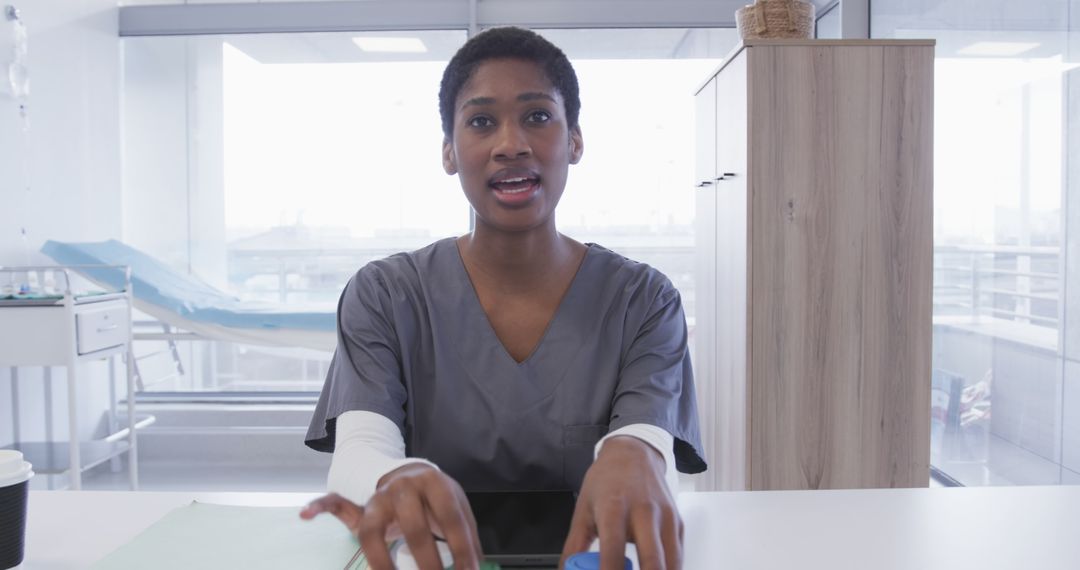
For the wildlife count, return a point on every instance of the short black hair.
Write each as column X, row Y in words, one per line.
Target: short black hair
column 512, row 43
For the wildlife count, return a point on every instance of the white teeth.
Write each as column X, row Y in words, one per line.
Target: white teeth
column 515, row 181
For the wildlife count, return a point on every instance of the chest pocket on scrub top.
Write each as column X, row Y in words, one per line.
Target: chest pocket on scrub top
column 578, row 444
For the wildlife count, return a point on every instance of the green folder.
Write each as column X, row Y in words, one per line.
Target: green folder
column 210, row 537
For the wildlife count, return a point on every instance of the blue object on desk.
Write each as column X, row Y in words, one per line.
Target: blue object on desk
column 157, row 284
column 589, row 561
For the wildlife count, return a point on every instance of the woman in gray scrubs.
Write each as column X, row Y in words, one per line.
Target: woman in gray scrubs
column 503, row 356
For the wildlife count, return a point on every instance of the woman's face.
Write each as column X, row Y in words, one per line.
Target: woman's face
column 511, row 145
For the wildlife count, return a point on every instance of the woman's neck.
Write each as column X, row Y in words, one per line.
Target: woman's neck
column 520, row 259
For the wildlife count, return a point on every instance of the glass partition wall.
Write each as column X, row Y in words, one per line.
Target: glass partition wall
column 1006, row 377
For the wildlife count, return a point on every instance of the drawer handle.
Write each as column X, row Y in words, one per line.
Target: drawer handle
column 108, row 328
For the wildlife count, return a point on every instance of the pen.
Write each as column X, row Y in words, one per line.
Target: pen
column 349, row 565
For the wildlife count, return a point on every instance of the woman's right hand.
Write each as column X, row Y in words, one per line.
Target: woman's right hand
column 417, row 502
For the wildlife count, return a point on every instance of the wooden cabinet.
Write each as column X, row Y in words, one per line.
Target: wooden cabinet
column 812, row 329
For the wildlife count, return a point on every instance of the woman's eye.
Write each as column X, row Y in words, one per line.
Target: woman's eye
column 539, row 117
column 480, row 122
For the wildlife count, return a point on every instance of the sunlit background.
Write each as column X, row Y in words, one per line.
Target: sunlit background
column 274, row 165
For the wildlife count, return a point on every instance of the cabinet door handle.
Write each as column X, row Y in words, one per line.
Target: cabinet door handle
column 704, row 183
column 725, row 176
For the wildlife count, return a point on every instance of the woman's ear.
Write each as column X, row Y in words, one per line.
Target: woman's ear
column 449, row 162
column 577, row 145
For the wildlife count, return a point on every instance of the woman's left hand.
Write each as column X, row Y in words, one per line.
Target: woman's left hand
column 624, row 498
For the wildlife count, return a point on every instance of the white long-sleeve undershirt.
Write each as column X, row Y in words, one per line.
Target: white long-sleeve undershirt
column 368, row 445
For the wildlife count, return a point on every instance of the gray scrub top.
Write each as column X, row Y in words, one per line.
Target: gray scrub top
column 415, row 345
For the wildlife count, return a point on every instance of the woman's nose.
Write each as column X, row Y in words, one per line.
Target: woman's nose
column 511, row 143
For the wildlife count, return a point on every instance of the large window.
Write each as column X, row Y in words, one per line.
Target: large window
column 332, row 160
column 1006, row 406
column 275, row 165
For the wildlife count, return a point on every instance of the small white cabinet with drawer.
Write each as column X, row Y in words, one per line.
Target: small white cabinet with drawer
column 69, row 330
column 101, row 327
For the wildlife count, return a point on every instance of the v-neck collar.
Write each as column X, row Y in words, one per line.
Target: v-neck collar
column 469, row 291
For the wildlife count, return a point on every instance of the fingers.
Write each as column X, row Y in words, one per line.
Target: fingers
column 314, row 508
column 612, row 525
column 412, row 518
column 645, row 524
column 452, row 514
column 657, row 531
column 672, row 533
column 582, row 532
column 378, row 515
column 419, row 505
column 346, row 511
column 369, row 524
column 414, row 506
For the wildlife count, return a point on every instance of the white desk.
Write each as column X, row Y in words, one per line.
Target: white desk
column 1003, row 528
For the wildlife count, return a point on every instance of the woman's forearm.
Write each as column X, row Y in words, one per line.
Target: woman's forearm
column 367, row 446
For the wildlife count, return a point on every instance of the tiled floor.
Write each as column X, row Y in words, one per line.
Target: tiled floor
column 1005, row 463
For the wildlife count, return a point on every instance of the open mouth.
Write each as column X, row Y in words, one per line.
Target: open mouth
column 515, row 187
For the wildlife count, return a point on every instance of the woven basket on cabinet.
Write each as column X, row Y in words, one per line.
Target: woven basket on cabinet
column 776, row 19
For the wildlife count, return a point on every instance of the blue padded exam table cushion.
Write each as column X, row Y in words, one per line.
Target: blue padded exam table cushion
column 158, row 284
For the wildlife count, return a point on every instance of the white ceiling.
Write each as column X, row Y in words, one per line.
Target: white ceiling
column 338, row 47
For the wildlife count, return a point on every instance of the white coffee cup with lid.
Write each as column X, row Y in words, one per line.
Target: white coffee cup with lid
column 15, row 474
column 13, row 469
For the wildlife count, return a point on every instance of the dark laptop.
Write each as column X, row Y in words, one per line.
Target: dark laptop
column 523, row 529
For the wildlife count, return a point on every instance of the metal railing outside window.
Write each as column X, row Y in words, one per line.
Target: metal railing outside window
column 1019, row 284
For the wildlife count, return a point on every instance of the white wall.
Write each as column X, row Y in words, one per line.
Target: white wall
column 72, row 162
